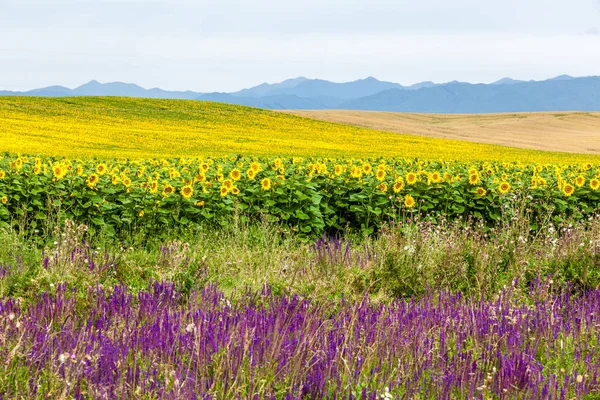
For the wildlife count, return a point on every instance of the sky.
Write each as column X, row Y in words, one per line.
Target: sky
column 227, row 45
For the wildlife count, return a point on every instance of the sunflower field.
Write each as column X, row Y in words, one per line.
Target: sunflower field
column 309, row 196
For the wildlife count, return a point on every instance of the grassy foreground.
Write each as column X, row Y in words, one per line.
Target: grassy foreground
column 142, row 128
column 430, row 311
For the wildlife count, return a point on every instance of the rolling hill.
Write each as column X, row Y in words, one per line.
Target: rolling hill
column 138, row 128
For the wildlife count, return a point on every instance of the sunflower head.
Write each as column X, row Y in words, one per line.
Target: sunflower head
column 481, row 191
column 265, row 184
column 411, row 178
column 580, row 181
column 409, row 201
column 92, row 180
column 398, row 186
column 474, row 179
column 101, row 169
column 235, row 174
column 168, row 189
column 504, row 187
column 568, row 189
column 595, row 184
column 187, row 191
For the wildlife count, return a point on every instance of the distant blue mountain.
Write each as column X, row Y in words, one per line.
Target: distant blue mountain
column 266, row 89
column 95, row 88
column 574, row 94
column 561, row 93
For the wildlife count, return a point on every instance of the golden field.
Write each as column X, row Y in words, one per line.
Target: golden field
column 574, row 132
column 108, row 127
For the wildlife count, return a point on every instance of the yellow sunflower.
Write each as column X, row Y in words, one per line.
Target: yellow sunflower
column 409, row 201
column 92, row 180
column 504, row 187
column 411, row 178
column 594, row 184
column 168, row 189
column 101, row 169
column 235, row 174
column 187, row 191
column 580, row 181
column 265, row 184
column 568, row 189
column 474, row 179
column 398, row 186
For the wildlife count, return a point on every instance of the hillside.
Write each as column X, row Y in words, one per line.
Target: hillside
column 575, row 132
column 125, row 127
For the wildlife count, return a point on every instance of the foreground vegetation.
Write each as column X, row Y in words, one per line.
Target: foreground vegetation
column 150, row 128
column 435, row 311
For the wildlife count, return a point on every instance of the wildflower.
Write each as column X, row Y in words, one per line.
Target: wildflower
column 63, row 357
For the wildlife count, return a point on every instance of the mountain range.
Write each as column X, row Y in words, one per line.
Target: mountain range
column 563, row 93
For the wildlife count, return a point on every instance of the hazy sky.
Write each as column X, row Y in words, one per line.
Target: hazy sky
column 225, row 45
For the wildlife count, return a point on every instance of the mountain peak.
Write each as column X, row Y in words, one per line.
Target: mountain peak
column 561, row 78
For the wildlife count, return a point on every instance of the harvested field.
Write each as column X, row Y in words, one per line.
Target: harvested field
column 575, row 132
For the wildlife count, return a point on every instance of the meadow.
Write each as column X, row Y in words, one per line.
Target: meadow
column 161, row 249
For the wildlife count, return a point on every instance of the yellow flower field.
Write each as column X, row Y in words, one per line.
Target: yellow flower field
column 146, row 128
